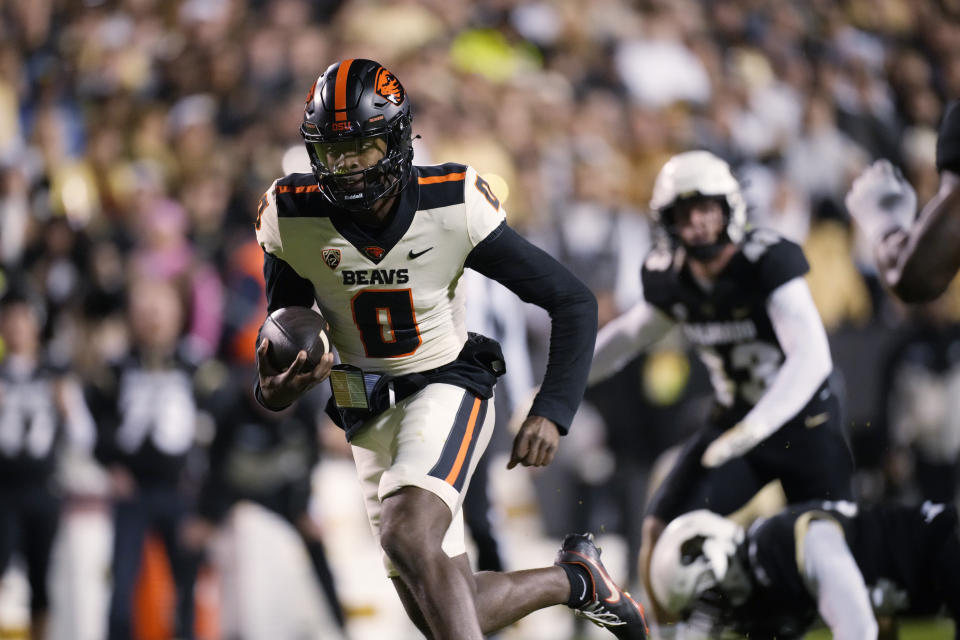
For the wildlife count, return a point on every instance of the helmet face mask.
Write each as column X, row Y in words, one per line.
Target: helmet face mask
column 356, row 128
column 341, row 157
column 675, row 220
column 353, row 173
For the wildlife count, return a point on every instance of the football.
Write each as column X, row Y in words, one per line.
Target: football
column 291, row 329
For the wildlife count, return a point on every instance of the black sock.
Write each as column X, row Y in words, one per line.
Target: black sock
column 581, row 585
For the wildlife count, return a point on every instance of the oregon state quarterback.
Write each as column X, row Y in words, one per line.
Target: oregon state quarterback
column 379, row 244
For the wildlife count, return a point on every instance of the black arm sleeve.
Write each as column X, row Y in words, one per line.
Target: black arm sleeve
column 538, row 278
column 285, row 287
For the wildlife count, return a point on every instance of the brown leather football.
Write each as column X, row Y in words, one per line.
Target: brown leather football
column 291, row 329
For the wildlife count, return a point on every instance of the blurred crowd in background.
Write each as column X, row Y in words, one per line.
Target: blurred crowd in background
column 137, row 136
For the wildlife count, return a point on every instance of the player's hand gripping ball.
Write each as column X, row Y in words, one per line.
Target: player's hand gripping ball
column 290, row 330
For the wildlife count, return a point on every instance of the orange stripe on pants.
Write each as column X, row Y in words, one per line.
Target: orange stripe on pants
column 464, row 444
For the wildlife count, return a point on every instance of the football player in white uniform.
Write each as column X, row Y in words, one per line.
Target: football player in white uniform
column 917, row 255
column 380, row 245
column 742, row 301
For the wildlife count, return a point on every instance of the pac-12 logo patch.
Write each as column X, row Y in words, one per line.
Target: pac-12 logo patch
column 331, row 257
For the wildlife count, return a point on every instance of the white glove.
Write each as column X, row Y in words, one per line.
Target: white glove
column 732, row 443
column 881, row 200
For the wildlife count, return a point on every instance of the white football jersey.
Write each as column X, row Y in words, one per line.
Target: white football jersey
column 392, row 301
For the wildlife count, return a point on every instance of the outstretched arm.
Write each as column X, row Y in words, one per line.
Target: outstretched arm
column 918, row 264
column 624, row 337
column 807, row 364
column 916, row 259
column 834, row 579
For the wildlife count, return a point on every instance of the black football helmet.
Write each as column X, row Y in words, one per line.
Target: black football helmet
column 356, row 126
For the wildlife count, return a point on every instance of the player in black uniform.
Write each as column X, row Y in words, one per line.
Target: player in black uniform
column 919, row 426
column 146, row 411
column 846, row 565
column 34, row 416
column 741, row 299
column 917, row 255
column 268, row 458
column 380, row 244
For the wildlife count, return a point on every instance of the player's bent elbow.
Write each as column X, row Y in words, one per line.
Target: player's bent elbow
column 582, row 304
column 587, row 299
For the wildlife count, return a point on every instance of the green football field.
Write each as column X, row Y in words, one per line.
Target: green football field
column 910, row 630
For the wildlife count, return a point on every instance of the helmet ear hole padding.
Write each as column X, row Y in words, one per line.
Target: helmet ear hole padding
column 698, row 174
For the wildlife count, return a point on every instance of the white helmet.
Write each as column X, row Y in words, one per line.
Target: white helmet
column 694, row 554
column 699, row 173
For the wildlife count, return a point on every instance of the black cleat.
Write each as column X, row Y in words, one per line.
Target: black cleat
column 605, row 604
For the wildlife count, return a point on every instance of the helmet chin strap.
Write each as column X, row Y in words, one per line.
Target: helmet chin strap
column 704, row 252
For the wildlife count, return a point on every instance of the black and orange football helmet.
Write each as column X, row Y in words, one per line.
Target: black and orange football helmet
column 356, row 126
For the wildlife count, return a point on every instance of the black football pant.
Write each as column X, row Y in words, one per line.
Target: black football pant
column 809, row 455
column 162, row 510
column 29, row 516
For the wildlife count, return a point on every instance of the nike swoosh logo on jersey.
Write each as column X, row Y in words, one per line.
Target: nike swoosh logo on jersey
column 414, row 255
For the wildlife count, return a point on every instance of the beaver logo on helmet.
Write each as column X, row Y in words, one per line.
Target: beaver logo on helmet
column 313, row 90
column 389, row 87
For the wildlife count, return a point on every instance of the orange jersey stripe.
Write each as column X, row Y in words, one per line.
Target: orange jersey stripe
column 340, row 91
column 464, row 444
column 450, row 177
column 289, row 188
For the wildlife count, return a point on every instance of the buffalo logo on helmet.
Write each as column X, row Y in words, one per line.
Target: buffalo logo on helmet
column 389, row 87
column 331, row 257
